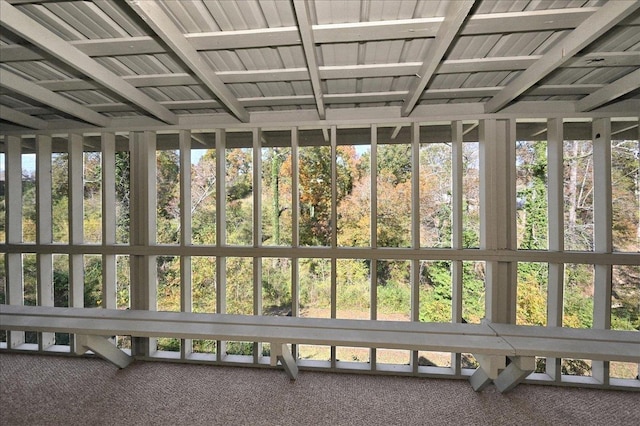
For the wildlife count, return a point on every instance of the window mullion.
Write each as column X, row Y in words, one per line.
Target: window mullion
column 457, row 229
column 373, row 220
column 108, row 148
column 602, row 221
column 221, row 234
column 257, row 232
column 44, row 226
column 555, row 210
column 186, row 303
column 13, row 202
column 334, row 229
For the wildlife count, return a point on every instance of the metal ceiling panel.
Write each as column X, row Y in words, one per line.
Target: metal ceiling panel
column 254, row 48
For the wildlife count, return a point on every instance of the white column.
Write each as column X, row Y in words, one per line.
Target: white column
column 221, row 231
column 334, row 230
column 76, row 218
column 13, row 202
column 257, row 233
column 186, row 303
column 457, row 230
column 602, row 223
column 555, row 211
column 143, row 231
column 44, row 228
column 497, row 215
column 373, row 219
column 108, row 143
column 415, row 231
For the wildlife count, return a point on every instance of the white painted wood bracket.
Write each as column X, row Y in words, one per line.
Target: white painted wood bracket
column 101, row 346
column 282, row 352
column 517, row 371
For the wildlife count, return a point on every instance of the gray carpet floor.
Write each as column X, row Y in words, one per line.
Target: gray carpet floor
column 55, row 390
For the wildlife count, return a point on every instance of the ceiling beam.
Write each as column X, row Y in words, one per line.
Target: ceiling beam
column 620, row 87
column 455, row 17
column 303, row 18
column 347, row 98
column 402, row 29
column 25, row 120
column 27, row 28
column 164, row 27
column 591, row 29
column 31, row 90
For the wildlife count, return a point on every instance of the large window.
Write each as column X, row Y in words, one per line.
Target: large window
column 390, row 222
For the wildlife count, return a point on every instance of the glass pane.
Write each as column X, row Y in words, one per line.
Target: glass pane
column 531, row 196
column 435, row 195
column 239, row 285
column 471, row 195
column 435, row 291
column 394, row 290
column 203, row 196
column 239, row 186
column 92, row 197
column 315, row 288
column 578, row 195
column 92, row 281
column 168, row 198
column 203, row 284
column 532, row 293
column 625, row 298
column 276, row 287
column 625, row 185
column 578, row 296
column 29, row 198
column 473, row 291
column 315, row 195
column 276, row 190
column 394, row 192
column 168, row 279
column 60, row 197
column 353, row 283
column 123, row 195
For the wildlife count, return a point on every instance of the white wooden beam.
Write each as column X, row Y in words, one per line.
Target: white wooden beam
column 555, row 213
column 108, row 150
column 44, row 230
column 22, row 119
column 168, row 31
column 303, row 17
column 610, row 92
column 31, row 90
column 14, row 286
column 27, row 28
column 456, row 16
column 593, row 27
column 517, row 371
column 102, row 347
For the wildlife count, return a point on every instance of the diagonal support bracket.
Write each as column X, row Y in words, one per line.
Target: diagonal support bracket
column 490, row 366
column 282, row 352
column 101, row 346
column 517, row 371
column 494, row 369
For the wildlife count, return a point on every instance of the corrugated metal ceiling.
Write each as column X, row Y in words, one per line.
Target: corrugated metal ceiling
column 367, row 53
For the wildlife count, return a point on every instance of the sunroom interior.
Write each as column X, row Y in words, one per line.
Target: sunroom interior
column 377, row 171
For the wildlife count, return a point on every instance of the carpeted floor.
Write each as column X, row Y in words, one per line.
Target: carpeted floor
column 51, row 390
